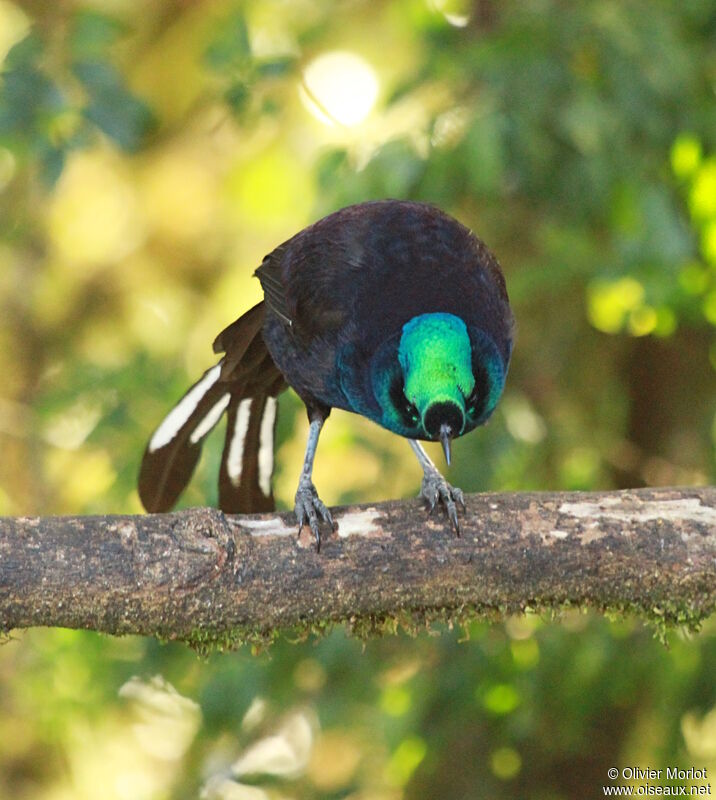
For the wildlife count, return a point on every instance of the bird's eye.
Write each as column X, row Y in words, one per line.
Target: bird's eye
column 472, row 403
column 403, row 406
column 475, row 403
column 411, row 411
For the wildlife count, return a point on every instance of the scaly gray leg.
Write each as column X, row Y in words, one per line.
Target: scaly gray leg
column 308, row 504
column 436, row 489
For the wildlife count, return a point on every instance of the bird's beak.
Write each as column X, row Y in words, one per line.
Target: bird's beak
column 445, row 437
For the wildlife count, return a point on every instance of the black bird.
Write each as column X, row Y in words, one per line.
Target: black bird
column 389, row 309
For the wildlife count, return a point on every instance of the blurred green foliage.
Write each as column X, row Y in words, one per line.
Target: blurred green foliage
column 51, row 104
column 150, row 155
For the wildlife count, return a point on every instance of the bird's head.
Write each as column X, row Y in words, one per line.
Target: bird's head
column 435, row 358
column 435, row 380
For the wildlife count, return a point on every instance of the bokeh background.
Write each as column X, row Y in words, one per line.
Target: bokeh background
column 151, row 152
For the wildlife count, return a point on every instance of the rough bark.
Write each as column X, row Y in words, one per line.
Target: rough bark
column 200, row 575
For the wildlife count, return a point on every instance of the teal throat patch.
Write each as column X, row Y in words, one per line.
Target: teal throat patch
column 436, row 359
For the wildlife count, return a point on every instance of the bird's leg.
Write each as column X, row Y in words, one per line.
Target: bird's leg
column 308, row 504
column 436, row 489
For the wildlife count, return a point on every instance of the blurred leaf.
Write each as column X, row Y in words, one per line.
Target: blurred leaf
column 270, row 107
column 51, row 164
column 409, row 84
column 328, row 164
column 685, row 155
column 394, row 170
column 26, row 96
column 276, row 67
column 231, row 46
column 122, row 117
column 97, row 76
column 27, row 51
column 33, row 106
column 92, row 32
column 237, row 97
column 484, row 154
column 112, row 108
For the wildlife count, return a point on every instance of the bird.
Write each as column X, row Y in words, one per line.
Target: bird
column 390, row 309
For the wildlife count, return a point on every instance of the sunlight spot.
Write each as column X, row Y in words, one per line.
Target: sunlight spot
column 155, row 315
column 69, row 429
column 710, row 307
column 250, row 190
column 500, row 699
column 523, row 422
column 700, row 734
column 334, row 762
column 708, row 242
column 168, row 182
column 400, row 672
column 522, row 627
column 702, row 198
column 94, row 218
column 395, row 700
column 285, row 753
column 14, row 25
column 525, row 653
column 166, row 722
column 255, row 714
column 309, row 675
column 685, row 155
column 579, row 468
column 406, row 759
column 642, row 320
column 505, row 763
column 221, row 788
column 450, row 127
column 82, row 476
column 456, row 12
column 610, row 301
column 339, row 88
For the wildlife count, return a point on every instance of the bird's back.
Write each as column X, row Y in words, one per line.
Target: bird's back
column 357, row 276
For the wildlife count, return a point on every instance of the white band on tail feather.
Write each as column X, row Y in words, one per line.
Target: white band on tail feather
column 266, row 446
column 210, row 419
column 177, row 417
column 236, row 448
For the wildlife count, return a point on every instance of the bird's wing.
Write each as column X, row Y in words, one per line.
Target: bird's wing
column 269, row 273
column 236, row 338
column 307, row 281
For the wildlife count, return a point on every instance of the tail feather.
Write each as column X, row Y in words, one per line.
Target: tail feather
column 245, row 383
column 175, row 446
column 247, row 461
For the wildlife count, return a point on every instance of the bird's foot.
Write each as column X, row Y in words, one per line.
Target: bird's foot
column 435, row 489
column 309, row 507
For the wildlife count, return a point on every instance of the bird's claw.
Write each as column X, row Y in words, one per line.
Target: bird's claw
column 309, row 507
column 436, row 489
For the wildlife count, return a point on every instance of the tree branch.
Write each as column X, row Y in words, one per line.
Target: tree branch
column 199, row 575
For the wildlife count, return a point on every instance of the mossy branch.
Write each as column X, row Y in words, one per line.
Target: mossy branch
column 201, row 576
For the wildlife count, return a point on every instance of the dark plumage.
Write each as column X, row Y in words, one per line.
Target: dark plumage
column 389, row 309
